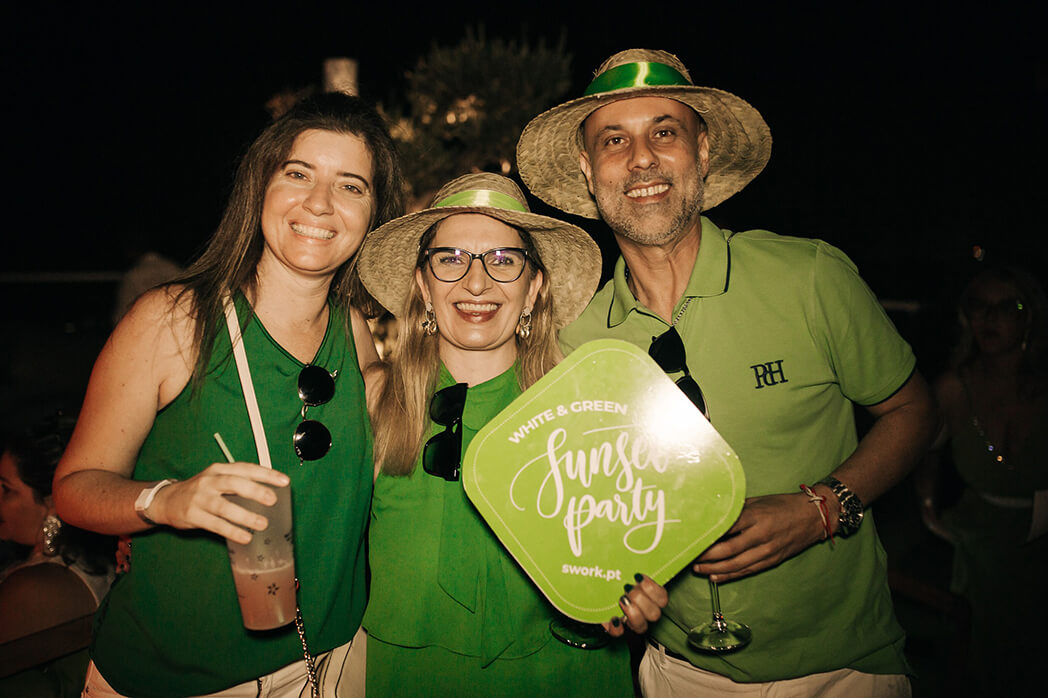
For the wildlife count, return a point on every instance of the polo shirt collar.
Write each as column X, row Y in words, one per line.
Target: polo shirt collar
column 709, row 275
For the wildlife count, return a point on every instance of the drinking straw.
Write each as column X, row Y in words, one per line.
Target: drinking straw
column 225, row 449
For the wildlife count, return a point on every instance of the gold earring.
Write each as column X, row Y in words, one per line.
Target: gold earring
column 524, row 325
column 429, row 323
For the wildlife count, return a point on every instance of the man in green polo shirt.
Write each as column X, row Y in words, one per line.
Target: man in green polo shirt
column 781, row 337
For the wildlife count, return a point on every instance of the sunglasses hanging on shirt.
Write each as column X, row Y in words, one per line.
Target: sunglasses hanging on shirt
column 668, row 352
column 442, row 455
column 316, row 386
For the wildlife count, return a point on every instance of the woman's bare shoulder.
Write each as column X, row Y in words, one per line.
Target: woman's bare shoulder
column 168, row 309
column 159, row 332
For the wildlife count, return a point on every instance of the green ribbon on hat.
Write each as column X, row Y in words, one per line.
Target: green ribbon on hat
column 482, row 197
column 642, row 74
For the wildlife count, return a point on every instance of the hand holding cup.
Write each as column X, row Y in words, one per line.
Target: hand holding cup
column 203, row 501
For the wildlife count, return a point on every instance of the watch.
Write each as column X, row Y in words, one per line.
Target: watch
column 146, row 497
column 851, row 506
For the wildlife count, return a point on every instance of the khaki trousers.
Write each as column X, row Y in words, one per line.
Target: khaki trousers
column 340, row 673
column 663, row 676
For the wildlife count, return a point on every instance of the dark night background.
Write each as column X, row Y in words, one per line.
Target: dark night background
column 904, row 133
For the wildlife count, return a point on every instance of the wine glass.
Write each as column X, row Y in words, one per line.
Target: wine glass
column 719, row 635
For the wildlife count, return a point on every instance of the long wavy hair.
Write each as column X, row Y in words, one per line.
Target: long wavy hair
column 231, row 258
column 400, row 416
column 36, row 452
column 1034, row 316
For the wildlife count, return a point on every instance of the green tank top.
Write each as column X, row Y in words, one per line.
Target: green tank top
column 172, row 625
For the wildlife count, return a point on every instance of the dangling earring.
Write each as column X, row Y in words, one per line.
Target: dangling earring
column 429, row 323
column 52, row 525
column 524, row 325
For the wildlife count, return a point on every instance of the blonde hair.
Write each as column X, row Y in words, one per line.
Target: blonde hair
column 400, row 417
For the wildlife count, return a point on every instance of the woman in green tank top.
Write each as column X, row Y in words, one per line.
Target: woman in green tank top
column 143, row 461
column 479, row 285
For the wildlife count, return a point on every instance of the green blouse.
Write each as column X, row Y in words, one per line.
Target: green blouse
column 439, row 576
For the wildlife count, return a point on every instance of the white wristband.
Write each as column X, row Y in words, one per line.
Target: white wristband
column 146, row 497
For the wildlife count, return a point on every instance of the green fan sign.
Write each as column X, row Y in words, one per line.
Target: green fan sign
column 602, row 469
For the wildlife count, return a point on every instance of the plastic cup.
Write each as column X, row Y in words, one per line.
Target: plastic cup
column 264, row 569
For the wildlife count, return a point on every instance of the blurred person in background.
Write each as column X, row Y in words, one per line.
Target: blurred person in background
column 63, row 572
column 995, row 400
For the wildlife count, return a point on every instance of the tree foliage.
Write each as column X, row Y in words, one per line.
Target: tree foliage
column 468, row 103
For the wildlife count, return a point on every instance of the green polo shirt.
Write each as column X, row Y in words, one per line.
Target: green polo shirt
column 782, row 336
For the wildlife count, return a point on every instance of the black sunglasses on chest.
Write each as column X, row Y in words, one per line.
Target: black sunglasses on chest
column 442, row 455
column 668, row 352
column 316, row 386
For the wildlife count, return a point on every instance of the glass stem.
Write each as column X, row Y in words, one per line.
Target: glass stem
column 718, row 617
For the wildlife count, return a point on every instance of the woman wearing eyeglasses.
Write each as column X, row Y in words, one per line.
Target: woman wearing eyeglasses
column 144, row 461
column 479, row 285
column 995, row 399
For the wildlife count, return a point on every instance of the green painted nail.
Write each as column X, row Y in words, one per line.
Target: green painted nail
column 627, row 587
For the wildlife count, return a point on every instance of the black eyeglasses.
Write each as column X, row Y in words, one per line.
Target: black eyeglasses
column 668, row 351
column 502, row 264
column 442, row 456
column 316, row 386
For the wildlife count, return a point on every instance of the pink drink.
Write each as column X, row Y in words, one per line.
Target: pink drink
column 264, row 569
column 267, row 596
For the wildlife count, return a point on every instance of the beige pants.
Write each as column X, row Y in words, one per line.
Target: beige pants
column 662, row 676
column 340, row 673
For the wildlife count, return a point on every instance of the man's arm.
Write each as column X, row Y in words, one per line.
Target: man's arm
column 773, row 528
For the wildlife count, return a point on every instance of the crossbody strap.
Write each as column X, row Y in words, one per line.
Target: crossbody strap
column 237, row 340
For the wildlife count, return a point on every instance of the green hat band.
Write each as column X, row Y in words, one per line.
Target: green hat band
column 635, row 75
column 482, row 197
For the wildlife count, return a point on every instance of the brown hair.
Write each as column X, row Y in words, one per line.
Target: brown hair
column 230, row 260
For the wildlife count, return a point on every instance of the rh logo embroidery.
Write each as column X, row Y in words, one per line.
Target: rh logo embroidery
column 769, row 374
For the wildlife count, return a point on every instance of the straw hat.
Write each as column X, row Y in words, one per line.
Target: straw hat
column 548, row 150
column 571, row 259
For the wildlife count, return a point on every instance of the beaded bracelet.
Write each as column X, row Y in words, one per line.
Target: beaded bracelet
column 820, row 503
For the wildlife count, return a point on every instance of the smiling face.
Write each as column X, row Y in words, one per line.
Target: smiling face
column 477, row 316
column 319, row 204
column 644, row 161
column 21, row 514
